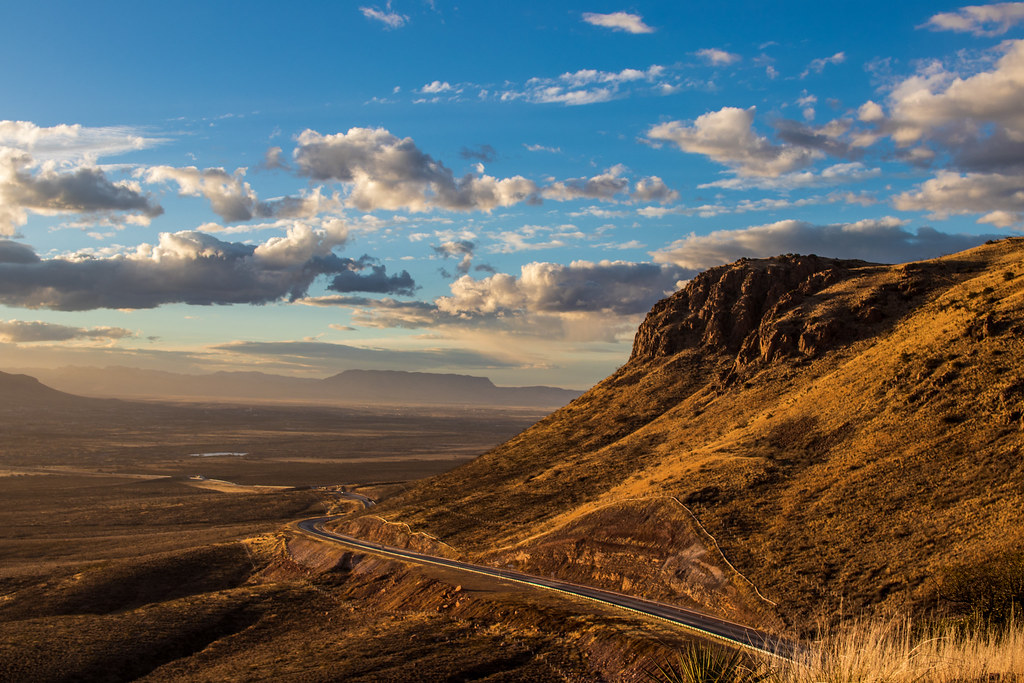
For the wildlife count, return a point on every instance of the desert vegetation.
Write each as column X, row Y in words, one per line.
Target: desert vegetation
column 896, row 651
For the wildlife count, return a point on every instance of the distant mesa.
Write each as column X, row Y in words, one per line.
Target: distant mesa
column 22, row 391
column 351, row 387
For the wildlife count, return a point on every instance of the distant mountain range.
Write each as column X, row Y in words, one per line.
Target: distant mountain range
column 348, row 387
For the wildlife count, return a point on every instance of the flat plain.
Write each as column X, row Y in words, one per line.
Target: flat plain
column 128, row 551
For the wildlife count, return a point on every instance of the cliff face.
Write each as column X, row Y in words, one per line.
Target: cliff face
column 787, row 306
column 732, row 308
column 846, row 433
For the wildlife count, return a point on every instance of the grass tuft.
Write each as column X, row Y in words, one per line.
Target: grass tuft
column 702, row 664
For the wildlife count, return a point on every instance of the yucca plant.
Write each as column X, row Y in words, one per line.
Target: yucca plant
column 709, row 664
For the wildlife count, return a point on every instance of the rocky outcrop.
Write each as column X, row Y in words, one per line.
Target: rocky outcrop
column 746, row 309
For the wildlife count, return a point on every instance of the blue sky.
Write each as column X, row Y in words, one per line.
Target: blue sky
column 493, row 190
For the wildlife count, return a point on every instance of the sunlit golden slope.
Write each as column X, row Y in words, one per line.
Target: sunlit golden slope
column 845, row 431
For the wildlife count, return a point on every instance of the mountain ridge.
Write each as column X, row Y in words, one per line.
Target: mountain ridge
column 847, row 438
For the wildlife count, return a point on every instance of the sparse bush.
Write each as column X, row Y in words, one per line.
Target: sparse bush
column 991, row 591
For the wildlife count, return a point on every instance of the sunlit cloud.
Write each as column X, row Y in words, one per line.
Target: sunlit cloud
column 998, row 198
column 727, row 137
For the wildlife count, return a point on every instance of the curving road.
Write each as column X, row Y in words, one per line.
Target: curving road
column 704, row 624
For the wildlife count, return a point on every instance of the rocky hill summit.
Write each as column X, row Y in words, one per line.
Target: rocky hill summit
column 786, row 306
column 791, row 439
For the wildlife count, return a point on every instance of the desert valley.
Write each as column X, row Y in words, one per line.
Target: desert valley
column 421, row 340
column 797, row 444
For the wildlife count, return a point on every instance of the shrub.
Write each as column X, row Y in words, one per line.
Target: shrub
column 710, row 664
column 991, row 590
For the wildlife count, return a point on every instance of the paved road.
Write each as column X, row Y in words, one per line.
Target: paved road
column 695, row 621
column 365, row 500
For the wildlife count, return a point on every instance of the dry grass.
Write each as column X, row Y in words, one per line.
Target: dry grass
column 897, row 652
column 894, row 651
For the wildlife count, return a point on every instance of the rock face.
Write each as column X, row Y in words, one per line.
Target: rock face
column 739, row 309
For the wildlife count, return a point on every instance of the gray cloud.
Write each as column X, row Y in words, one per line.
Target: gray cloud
column 188, row 267
column 827, row 139
column 15, row 252
column 26, row 187
column 21, row 331
column 376, row 280
column 884, row 240
column 457, row 249
column 603, row 186
column 484, row 153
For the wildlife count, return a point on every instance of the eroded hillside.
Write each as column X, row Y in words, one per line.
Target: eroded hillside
column 846, row 432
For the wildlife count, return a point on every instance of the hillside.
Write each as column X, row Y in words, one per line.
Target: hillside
column 791, row 439
column 351, row 387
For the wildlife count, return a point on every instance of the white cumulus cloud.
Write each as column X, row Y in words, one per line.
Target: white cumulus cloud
column 980, row 20
column 388, row 172
column 999, row 197
column 727, row 137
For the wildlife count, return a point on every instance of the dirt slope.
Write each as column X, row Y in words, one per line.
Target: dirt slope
column 820, row 434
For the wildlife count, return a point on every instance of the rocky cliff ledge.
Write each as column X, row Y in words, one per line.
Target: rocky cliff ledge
column 764, row 309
